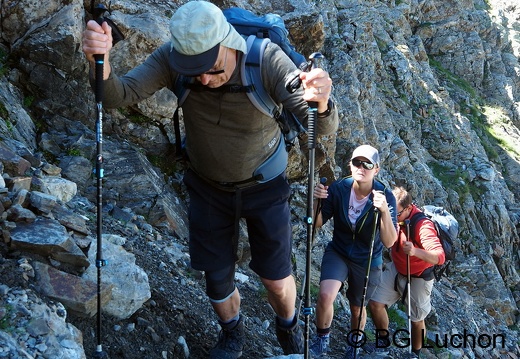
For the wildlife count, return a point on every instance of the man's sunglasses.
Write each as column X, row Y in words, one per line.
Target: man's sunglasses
column 366, row 165
column 220, row 71
column 401, row 211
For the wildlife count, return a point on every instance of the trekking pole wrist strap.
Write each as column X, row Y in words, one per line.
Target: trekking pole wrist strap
column 326, row 113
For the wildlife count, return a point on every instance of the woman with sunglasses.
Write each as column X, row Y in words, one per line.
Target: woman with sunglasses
column 352, row 202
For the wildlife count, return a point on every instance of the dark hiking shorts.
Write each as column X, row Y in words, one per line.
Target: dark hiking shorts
column 212, row 218
column 335, row 266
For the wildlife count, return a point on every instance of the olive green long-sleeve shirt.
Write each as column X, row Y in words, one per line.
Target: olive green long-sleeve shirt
column 227, row 137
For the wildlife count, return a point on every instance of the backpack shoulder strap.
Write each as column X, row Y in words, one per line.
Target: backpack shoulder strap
column 180, row 88
column 413, row 222
column 181, row 91
column 379, row 186
column 251, row 70
column 417, row 217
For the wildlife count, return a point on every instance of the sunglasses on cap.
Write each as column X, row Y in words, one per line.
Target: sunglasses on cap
column 366, row 165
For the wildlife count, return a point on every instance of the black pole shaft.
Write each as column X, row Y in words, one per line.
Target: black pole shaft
column 408, row 288
column 311, row 133
column 367, row 275
column 323, row 180
column 97, row 12
column 310, row 187
column 100, row 262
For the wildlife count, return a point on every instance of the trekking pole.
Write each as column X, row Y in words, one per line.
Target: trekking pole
column 311, row 124
column 323, row 180
column 367, row 275
column 98, row 12
column 408, row 285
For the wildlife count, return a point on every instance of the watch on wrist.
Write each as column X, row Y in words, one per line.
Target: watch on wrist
column 330, row 107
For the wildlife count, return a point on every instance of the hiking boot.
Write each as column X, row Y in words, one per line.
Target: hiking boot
column 411, row 355
column 350, row 352
column 319, row 346
column 381, row 347
column 230, row 342
column 290, row 339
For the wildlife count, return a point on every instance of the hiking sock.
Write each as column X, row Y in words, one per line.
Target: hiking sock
column 229, row 324
column 323, row 332
column 355, row 338
column 286, row 322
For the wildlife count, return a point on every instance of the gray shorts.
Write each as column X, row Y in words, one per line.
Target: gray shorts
column 335, row 266
column 393, row 285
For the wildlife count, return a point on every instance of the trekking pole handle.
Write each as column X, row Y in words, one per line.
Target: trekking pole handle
column 313, row 105
column 316, row 59
column 97, row 12
column 98, row 92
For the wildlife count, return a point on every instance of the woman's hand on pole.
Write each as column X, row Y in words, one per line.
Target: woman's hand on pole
column 387, row 229
column 320, row 191
column 380, row 201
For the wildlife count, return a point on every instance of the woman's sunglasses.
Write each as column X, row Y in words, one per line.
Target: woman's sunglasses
column 366, row 165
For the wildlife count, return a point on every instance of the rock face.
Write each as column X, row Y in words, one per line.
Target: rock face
column 433, row 84
column 129, row 282
column 41, row 327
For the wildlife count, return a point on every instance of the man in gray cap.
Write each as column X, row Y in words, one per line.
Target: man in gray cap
column 227, row 140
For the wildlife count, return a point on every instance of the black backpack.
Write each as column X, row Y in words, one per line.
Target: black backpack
column 447, row 229
column 258, row 31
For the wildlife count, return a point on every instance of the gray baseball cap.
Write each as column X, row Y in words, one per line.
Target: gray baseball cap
column 197, row 29
column 367, row 151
